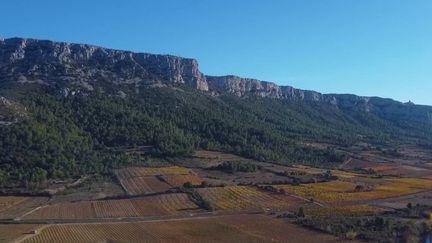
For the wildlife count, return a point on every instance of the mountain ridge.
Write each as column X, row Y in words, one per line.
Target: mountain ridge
column 66, row 107
column 90, row 67
column 191, row 76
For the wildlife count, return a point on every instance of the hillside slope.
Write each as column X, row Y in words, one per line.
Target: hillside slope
column 82, row 101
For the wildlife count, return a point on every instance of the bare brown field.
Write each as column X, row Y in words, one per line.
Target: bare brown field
column 98, row 189
column 13, row 232
column 407, row 160
column 343, row 211
column 180, row 180
column 160, row 205
column 69, row 210
column 23, row 207
column 233, row 198
column 144, row 180
column 114, row 209
column 423, row 198
column 250, row 228
column 7, row 202
column 387, row 168
column 401, row 170
column 131, row 172
column 207, row 154
column 416, row 152
column 143, row 185
column 206, row 158
column 167, row 204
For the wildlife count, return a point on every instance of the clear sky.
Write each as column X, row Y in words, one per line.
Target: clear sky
column 366, row 47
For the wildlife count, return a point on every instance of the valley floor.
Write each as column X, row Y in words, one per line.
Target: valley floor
column 193, row 201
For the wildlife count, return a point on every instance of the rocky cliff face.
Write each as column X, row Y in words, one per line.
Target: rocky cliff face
column 245, row 86
column 385, row 108
column 11, row 112
column 29, row 60
column 89, row 67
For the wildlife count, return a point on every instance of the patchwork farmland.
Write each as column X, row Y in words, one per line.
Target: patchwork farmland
column 340, row 191
column 248, row 228
column 256, row 206
column 160, row 205
column 141, row 180
column 234, row 198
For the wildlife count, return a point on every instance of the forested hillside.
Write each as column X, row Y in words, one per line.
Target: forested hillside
column 63, row 137
column 68, row 110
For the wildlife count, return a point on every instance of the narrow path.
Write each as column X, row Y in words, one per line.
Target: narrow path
column 29, row 212
column 133, row 219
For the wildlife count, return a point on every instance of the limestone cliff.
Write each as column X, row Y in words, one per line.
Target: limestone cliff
column 87, row 67
column 48, row 62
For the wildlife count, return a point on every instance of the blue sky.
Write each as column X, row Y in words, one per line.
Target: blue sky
column 366, row 47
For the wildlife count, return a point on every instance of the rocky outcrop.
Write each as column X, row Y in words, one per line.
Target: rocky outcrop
column 244, row 86
column 11, row 112
column 75, row 68
column 48, row 62
column 385, row 108
column 90, row 67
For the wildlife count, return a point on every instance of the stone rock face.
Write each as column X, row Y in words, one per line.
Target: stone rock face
column 74, row 68
column 245, row 86
column 386, row 108
column 11, row 112
column 90, row 67
column 29, row 60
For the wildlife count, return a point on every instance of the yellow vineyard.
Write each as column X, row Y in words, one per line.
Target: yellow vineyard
column 180, row 180
column 233, row 198
column 336, row 191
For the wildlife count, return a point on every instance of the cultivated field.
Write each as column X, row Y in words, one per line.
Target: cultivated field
column 409, row 161
column 173, row 217
column 339, row 191
column 180, row 180
column 145, row 180
column 10, row 201
column 12, row 232
column 424, row 198
column 251, row 228
column 342, row 211
column 144, row 185
column 234, row 198
column 161, row 205
column 131, row 172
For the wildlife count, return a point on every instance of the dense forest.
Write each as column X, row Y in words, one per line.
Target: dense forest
column 64, row 137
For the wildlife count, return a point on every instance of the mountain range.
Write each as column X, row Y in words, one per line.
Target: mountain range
column 86, row 68
column 65, row 106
